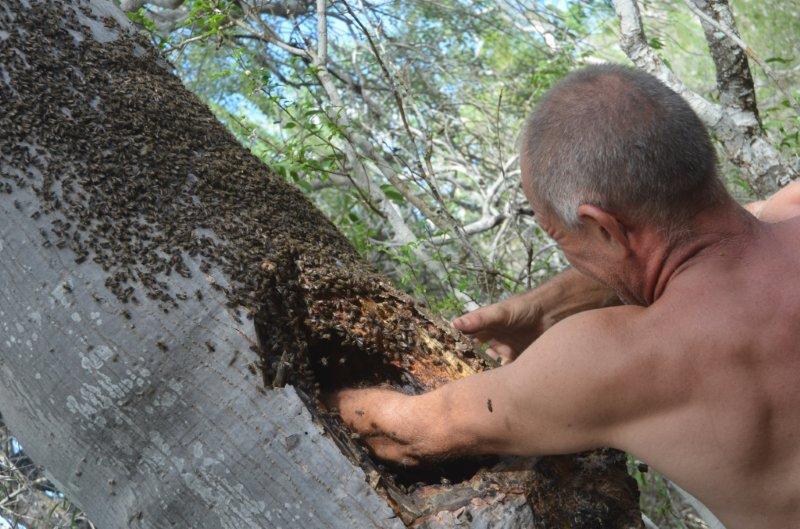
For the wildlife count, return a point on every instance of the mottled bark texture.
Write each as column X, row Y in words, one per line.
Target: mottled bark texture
column 170, row 311
column 734, row 80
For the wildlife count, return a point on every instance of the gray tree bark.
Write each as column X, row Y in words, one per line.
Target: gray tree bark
column 734, row 79
column 171, row 311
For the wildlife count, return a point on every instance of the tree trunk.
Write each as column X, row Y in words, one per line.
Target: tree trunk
column 171, row 311
column 734, row 79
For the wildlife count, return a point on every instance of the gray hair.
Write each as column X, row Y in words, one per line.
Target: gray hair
column 618, row 138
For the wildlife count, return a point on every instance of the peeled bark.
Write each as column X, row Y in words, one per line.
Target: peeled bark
column 171, row 311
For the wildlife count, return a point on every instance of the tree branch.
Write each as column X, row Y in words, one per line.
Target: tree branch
column 322, row 35
column 443, row 221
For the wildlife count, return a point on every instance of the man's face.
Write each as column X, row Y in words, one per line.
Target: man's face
column 591, row 253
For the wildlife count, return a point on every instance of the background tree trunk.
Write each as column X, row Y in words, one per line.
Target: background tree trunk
column 734, row 120
column 171, row 312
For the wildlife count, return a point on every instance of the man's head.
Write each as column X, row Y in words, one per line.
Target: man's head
column 611, row 154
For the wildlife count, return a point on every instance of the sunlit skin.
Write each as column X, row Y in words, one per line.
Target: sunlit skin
column 699, row 375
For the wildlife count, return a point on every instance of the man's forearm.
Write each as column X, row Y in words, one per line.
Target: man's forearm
column 511, row 325
column 782, row 205
column 571, row 292
column 553, row 399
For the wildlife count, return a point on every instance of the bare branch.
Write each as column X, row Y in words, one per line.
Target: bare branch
column 443, row 221
column 133, row 5
column 479, row 226
column 269, row 36
column 284, row 8
column 322, row 35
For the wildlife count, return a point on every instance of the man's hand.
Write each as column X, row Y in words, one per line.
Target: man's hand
column 565, row 393
column 508, row 326
column 391, row 424
column 512, row 325
column 783, row 205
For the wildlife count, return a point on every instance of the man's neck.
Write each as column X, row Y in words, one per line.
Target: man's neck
column 711, row 230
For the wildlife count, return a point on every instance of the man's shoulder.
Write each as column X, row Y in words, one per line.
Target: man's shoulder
column 625, row 370
column 615, row 337
column 618, row 322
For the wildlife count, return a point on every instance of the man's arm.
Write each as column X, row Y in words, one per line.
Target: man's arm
column 569, row 391
column 783, row 205
column 514, row 323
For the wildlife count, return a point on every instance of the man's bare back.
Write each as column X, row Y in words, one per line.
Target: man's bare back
column 723, row 393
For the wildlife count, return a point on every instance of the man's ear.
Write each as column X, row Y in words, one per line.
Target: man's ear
column 605, row 226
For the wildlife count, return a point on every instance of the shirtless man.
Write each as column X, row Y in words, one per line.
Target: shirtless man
column 698, row 374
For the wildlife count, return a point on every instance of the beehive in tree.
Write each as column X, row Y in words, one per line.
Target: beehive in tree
column 171, row 312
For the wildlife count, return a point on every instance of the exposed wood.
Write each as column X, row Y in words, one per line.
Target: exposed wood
column 156, row 282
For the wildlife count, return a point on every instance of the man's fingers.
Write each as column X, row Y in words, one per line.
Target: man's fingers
column 465, row 323
column 388, row 449
column 494, row 355
column 355, row 407
column 364, row 411
column 478, row 319
column 501, row 352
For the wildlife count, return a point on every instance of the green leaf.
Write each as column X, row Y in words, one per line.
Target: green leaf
column 743, row 184
column 393, row 194
column 140, row 17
